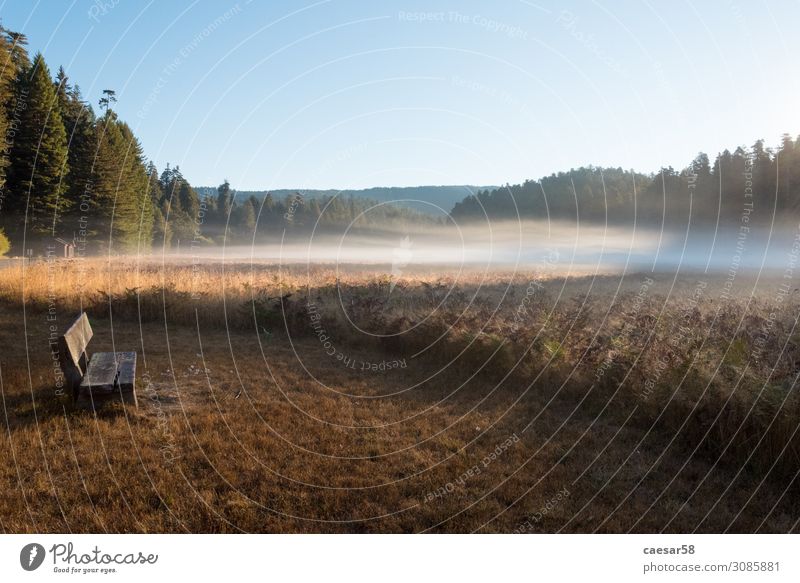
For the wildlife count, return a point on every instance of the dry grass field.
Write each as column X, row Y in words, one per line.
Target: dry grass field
column 316, row 399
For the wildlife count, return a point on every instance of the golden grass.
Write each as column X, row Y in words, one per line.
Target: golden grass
column 674, row 415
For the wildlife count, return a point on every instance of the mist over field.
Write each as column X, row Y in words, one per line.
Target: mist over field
column 557, row 247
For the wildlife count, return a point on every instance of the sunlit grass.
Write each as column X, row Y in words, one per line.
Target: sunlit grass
column 235, row 384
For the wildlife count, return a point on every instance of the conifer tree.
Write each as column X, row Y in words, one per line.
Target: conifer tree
column 123, row 211
column 181, row 208
column 39, row 154
column 13, row 62
column 79, row 121
column 19, row 54
column 161, row 233
column 224, row 201
column 6, row 96
column 244, row 221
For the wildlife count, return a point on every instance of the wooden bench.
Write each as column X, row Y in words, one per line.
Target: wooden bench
column 102, row 377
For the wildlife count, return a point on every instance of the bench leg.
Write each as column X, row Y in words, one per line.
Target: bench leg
column 83, row 400
column 129, row 398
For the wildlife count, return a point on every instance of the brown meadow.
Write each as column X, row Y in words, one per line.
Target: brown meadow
column 322, row 399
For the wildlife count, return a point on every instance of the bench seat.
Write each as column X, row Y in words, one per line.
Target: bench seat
column 108, row 375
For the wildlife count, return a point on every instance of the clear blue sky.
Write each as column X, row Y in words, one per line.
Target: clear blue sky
column 347, row 94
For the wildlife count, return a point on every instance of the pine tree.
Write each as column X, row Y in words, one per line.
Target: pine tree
column 13, row 62
column 161, row 231
column 19, row 54
column 79, row 121
column 181, row 208
column 244, row 220
column 39, row 155
column 122, row 209
column 224, row 201
column 7, row 76
column 188, row 199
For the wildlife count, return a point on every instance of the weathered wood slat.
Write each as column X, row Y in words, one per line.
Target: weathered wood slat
column 101, row 375
column 126, row 368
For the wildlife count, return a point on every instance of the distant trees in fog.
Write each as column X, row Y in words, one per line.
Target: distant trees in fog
column 184, row 219
column 234, row 219
column 755, row 182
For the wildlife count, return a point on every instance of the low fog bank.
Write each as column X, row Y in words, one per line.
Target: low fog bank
column 560, row 247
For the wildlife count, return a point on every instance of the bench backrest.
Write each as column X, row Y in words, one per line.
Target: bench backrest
column 72, row 354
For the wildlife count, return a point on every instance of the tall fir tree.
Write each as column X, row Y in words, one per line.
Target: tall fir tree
column 79, row 121
column 14, row 62
column 161, row 232
column 181, row 208
column 243, row 220
column 222, row 211
column 122, row 209
column 39, row 154
column 19, row 52
column 6, row 96
column 224, row 200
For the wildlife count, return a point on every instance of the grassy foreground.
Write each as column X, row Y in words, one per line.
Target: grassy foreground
column 311, row 399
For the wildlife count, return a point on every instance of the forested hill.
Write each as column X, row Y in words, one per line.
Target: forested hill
column 432, row 200
column 746, row 184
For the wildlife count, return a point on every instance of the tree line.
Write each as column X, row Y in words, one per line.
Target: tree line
column 224, row 216
column 757, row 182
column 67, row 171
